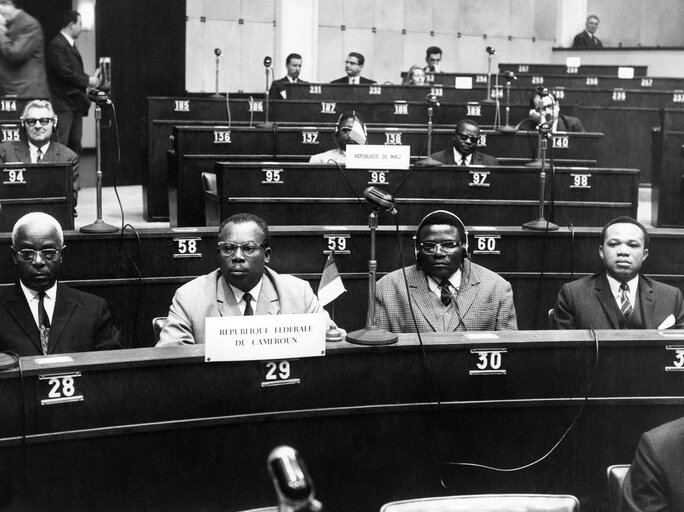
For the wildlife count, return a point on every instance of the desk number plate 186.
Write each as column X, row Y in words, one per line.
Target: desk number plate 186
column 59, row 388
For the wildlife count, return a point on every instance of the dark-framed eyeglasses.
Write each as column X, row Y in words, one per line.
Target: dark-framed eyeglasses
column 248, row 248
column 29, row 255
column 44, row 121
column 447, row 247
column 352, row 63
column 472, row 138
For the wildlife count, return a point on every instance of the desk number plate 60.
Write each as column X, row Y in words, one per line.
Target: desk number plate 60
column 489, row 361
column 61, row 388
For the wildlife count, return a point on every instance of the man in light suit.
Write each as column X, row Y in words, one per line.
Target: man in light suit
column 22, row 54
column 353, row 67
column 448, row 292
column 619, row 297
column 587, row 38
column 38, row 121
column 278, row 90
column 38, row 314
column 242, row 285
column 464, row 152
column 654, row 481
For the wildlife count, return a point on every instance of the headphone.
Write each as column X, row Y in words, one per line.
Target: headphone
column 443, row 217
column 348, row 115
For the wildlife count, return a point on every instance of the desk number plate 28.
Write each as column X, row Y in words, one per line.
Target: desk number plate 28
column 61, row 388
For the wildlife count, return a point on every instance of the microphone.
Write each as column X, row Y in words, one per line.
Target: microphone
column 432, row 100
column 217, row 52
column 267, row 61
column 380, row 199
column 509, row 76
column 98, row 96
column 542, row 91
column 490, row 50
column 291, row 480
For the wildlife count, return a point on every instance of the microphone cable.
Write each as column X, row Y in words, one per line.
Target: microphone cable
column 350, row 186
column 23, row 441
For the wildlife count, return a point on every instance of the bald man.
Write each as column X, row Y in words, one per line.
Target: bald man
column 40, row 316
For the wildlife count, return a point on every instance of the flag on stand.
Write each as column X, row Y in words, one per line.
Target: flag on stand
column 331, row 285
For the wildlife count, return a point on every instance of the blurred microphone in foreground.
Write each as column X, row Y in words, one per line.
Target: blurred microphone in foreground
column 292, row 481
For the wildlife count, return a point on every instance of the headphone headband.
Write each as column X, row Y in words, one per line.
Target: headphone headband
column 445, row 217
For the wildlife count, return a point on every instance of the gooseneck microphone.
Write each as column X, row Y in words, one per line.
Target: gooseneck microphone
column 217, row 52
column 490, row 50
column 267, row 61
column 267, row 125
column 292, row 481
column 381, row 199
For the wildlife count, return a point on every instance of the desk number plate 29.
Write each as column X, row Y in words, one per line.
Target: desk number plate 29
column 61, row 388
column 489, row 361
column 278, row 373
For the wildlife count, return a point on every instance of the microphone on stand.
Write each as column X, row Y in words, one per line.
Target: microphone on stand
column 292, row 481
column 266, row 125
column 432, row 102
column 509, row 76
column 490, row 53
column 217, row 53
column 381, row 199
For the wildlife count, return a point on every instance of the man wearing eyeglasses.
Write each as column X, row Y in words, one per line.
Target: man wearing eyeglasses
column 464, row 151
column 353, row 67
column 38, row 122
column 446, row 291
column 41, row 316
column 242, row 285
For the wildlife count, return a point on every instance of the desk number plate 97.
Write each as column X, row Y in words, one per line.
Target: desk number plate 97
column 60, row 388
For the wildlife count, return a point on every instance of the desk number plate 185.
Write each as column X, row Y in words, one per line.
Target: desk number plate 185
column 59, row 388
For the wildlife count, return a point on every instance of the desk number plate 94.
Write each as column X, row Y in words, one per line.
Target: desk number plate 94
column 489, row 361
column 60, row 388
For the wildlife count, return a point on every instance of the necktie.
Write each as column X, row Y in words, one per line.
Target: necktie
column 248, row 304
column 463, row 161
column 44, row 323
column 445, row 294
column 39, row 155
column 625, row 305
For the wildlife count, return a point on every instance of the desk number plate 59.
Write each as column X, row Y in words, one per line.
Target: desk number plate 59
column 489, row 361
column 59, row 388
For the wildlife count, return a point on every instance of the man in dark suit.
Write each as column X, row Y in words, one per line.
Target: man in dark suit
column 68, row 82
column 353, row 67
column 447, row 291
column 654, row 481
column 620, row 298
column 40, row 316
column 22, row 54
column 463, row 152
column 278, row 90
column 547, row 107
column 38, row 121
column 587, row 38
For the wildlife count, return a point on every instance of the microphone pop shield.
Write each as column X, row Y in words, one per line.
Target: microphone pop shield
column 267, row 61
column 290, row 477
column 217, row 52
column 490, row 50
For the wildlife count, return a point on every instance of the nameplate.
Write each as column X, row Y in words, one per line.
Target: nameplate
column 378, row 157
column 625, row 73
column 464, row 82
column 573, row 62
column 264, row 337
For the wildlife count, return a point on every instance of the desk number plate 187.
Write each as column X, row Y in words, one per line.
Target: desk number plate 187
column 59, row 388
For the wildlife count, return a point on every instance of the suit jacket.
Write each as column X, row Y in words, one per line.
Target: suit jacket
column 345, row 80
column 279, row 86
column 81, row 322
column 588, row 302
column 66, row 78
column 654, row 482
column 446, row 156
column 210, row 295
column 582, row 40
column 19, row 152
column 565, row 124
column 22, row 59
column 484, row 300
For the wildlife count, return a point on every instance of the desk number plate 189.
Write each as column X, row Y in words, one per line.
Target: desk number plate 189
column 489, row 361
column 60, row 388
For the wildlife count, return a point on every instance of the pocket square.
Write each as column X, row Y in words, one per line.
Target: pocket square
column 667, row 323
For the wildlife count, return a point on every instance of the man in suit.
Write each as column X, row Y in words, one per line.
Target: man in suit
column 448, row 292
column 353, row 67
column 38, row 121
column 654, row 481
column 278, row 90
column 547, row 108
column 68, row 82
column 38, row 314
column 242, row 285
column 22, row 54
column 466, row 138
column 433, row 58
column 350, row 129
column 619, row 297
column 587, row 38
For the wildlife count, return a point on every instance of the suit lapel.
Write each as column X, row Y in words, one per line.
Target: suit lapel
column 225, row 298
column 450, row 157
column 607, row 301
column 64, row 309
column 268, row 303
column 23, row 153
column 646, row 303
column 421, row 295
column 18, row 308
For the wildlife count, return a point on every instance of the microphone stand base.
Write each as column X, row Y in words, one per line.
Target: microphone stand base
column 541, row 224
column 372, row 335
column 264, row 126
column 427, row 162
column 534, row 163
column 508, row 129
column 99, row 226
column 217, row 95
column 488, row 101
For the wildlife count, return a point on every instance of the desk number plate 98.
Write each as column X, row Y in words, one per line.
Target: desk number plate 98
column 61, row 388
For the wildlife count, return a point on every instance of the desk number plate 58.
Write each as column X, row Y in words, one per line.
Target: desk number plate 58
column 60, row 388
column 489, row 361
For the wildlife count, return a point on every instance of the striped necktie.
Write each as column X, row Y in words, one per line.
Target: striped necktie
column 445, row 294
column 43, row 323
column 39, row 155
column 625, row 306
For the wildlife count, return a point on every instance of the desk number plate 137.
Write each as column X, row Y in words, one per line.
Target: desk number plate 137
column 60, row 388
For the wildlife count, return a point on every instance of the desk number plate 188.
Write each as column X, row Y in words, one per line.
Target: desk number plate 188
column 489, row 361
column 60, row 388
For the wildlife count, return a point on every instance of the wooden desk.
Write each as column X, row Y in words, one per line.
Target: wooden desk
column 559, row 69
column 177, row 433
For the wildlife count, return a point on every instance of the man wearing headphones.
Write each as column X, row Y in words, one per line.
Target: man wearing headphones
column 38, row 122
column 550, row 113
column 447, row 291
column 350, row 129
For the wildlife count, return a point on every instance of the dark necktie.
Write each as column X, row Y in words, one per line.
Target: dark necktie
column 248, row 304
column 463, row 161
column 39, row 155
column 445, row 294
column 43, row 322
column 625, row 305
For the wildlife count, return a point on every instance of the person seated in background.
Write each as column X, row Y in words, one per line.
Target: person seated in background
column 415, row 76
column 242, row 285
column 587, row 38
column 448, row 292
column 433, row 58
column 278, row 90
column 654, row 480
column 350, row 129
column 41, row 316
column 620, row 297
column 463, row 152
column 353, row 67
column 550, row 113
column 38, row 122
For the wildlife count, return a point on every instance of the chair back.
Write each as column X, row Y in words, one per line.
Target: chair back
column 158, row 324
column 487, row 503
column 212, row 207
column 616, row 478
